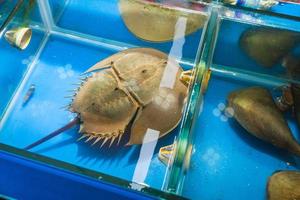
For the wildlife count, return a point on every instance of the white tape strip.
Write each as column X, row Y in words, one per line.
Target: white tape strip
column 146, row 154
column 170, row 73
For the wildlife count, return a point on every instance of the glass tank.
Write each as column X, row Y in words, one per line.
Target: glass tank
column 248, row 129
column 15, row 63
column 102, row 88
column 176, row 99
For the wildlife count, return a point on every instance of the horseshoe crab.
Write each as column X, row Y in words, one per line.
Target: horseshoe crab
column 124, row 91
column 284, row 185
column 255, row 109
column 156, row 22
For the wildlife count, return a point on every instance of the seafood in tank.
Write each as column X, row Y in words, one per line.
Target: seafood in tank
column 268, row 46
column 29, row 94
column 284, row 185
column 19, row 37
column 292, row 63
column 296, row 95
column 255, row 109
column 155, row 22
column 286, row 101
column 165, row 154
column 107, row 103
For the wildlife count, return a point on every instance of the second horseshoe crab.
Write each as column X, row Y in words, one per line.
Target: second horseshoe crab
column 124, row 91
column 156, row 22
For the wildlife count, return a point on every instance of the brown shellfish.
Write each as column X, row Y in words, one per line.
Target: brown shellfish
column 291, row 95
column 125, row 89
column 268, row 46
column 296, row 95
column 255, row 109
column 284, row 185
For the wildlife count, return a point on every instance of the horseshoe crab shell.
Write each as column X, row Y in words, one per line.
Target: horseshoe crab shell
column 124, row 90
column 156, row 22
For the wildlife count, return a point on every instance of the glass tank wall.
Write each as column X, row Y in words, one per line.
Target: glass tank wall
column 249, row 125
column 107, row 88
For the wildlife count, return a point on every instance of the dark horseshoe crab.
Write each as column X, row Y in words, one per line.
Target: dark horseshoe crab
column 124, row 89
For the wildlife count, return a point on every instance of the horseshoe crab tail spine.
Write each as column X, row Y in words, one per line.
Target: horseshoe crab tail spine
column 53, row 134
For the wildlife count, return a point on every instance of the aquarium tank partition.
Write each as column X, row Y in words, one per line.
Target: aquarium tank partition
column 175, row 99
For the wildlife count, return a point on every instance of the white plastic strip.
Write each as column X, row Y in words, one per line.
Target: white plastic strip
column 170, row 73
column 146, row 154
